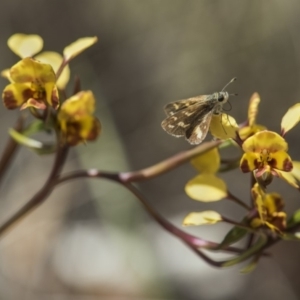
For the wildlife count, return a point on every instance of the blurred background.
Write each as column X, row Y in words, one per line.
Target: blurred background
column 92, row 239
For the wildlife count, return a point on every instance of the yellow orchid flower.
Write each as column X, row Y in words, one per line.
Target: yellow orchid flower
column 265, row 153
column 76, row 119
column 28, row 45
column 33, row 85
column 269, row 207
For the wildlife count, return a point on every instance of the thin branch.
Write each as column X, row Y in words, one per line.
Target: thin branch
column 150, row 172
column 10, row 149
column 41, row 195
column 168, row 164
column 238, row 201
column 193, row 241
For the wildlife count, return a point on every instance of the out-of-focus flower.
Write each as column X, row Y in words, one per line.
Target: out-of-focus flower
column 206, row 186
column 33, row 85
column 270, row 210
column 25, row 45
column 76, row 119
column 223, row 126
column 265, row 153
column 251, row 127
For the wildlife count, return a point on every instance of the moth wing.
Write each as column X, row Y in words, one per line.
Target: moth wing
column 174, row 107
column 197, row 133
column 178, row 123
column 181, row 122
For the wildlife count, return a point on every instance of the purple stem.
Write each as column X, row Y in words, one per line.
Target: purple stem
column 10, row 149
column 41, row 195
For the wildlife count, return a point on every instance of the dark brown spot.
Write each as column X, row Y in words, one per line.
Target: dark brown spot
column 9, row 100
column 245, row 166
column 287, row 165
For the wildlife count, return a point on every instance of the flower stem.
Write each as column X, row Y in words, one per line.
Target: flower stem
column 237, row 200
column 41, row 195
column 10, row 149
column 167, row 164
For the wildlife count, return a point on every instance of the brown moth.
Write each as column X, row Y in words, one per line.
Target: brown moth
column 191, row 117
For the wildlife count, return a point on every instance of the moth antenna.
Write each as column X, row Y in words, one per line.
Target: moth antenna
column 232, row 80
column 230, row 106
column 233, row 94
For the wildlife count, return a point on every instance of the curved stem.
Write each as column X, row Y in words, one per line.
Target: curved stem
column 191, row 240
column 238, row 201
column 41, row 195
column 10, row 149
column 168, row 164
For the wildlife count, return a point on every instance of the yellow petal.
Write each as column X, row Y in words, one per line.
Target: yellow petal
column 201, row 218
column 256, row 222
column 290, row 119
column 55, row 60
column 281, row 160
column 25, row 45
column 289, row 178
column 81, row 104
column 209, row 162
column 206, row 188
column 259, row 203
column 253, row 108
column 249, row 162
column 78, row 46
column 51, row 94
column 296, row 170
column 265, row 140
column 31, row 70
column 223, row 126
column 6, row 74
column 247, row 131
column 87, row 124
column 15, row 94
column 273, row 203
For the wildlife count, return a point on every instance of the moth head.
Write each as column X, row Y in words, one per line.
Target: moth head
column 223, row 97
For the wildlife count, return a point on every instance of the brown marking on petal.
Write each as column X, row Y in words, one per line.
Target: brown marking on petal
column 278, row 202
column 72, row 135
column 27, row 94
column 95, row 131
column 287, row 165
column 279, row 220
column 9, row 100
column 245, row 166
column 54, row 99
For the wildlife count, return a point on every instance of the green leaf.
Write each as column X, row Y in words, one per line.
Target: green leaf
column 245, row 255
column 294, row 220
column 234, row 235
column 251, row 266
column 36, row 146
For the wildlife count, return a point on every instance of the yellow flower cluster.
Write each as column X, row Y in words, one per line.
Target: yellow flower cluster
column 265, row 156
column 36, row 81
